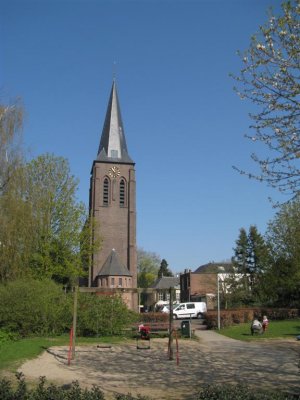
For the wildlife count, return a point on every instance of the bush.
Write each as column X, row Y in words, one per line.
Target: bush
column 74, row 392
column 32, row 307
column 153, row 317
column 52, row 392
column 102, row 315
column 239, row 392
column 7, row 337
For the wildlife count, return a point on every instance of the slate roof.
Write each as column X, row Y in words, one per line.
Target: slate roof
column 113, row 266
column 165, row 282
column 113, row 136
column 214, row 268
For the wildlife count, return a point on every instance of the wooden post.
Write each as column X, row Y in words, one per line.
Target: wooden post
column 74, row 321
column 139, row 301
column 170, row 346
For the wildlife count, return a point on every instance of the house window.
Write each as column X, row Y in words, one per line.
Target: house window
column 120, row 282
column 112, row 281
column 122, row 192
column 160, row 296
column 106, row 187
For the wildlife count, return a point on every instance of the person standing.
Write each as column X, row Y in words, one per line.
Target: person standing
column 265, row 323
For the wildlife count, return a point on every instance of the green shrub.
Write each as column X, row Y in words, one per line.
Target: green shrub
column 53, row 392
column 75, row 392
column 32, row 307
column 7, row 337
column 102, row 315
column 129, row 397
column 239, row 392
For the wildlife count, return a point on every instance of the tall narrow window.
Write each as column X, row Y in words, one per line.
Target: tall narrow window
column 122, row 193
column 106, row 192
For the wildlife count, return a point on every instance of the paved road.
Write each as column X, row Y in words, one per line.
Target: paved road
column 267, row 363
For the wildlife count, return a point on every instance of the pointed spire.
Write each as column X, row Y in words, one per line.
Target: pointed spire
column 113, row 143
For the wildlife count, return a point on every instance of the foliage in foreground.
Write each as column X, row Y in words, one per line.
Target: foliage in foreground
column 53, row 392
column 75, row 392
column 240, row 392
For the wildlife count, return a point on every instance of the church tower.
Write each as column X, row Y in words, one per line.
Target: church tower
column 112, row 204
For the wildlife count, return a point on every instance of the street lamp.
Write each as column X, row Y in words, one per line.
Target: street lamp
column 220, row 269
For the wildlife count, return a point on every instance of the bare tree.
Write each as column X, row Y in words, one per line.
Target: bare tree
column 270, row 78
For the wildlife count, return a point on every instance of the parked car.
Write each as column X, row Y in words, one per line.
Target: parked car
column 190, row 310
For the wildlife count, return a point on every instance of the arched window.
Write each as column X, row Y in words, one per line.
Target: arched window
column 122, row 193
column 106, row 190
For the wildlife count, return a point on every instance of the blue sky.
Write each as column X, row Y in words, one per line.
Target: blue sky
column 183, row 122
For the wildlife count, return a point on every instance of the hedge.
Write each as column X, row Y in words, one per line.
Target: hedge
column 237, row 316
column 154, row 317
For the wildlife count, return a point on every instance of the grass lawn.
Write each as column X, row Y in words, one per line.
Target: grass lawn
column 13, row 354
column 288, row 329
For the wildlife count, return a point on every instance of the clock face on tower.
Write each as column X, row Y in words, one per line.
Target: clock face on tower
column 114, row 172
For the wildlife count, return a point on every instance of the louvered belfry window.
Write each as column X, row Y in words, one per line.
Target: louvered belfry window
column 106, row 192
column 122, row 193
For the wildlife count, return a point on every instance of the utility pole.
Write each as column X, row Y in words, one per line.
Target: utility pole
column 74, row 321
column 170, row 346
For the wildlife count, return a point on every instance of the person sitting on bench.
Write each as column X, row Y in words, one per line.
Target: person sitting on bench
column 256, row 327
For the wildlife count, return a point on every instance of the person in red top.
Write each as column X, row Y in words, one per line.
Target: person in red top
column 265, row 323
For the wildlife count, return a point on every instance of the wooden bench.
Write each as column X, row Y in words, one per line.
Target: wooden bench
column 155, row 327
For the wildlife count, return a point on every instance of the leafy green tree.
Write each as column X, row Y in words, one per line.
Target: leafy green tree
column 240, row 287
column 240, row 259
column 16, row 233
column 283, row 233
column 250, row 260
column 282, row 280
column 14, row 214
column 270, row 79
column 164, row 269
column 148, row 265
column 258, row 260
column 57, row 217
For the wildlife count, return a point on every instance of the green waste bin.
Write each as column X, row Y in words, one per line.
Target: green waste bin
column 186, row 328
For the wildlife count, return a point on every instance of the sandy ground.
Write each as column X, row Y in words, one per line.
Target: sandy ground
column 125, row 369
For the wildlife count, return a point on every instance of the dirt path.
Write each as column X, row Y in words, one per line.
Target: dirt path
column 124, row 369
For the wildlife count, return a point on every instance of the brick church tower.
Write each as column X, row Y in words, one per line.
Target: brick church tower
column 112, row 204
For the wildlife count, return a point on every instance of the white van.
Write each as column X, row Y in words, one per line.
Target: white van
column 190, row 310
